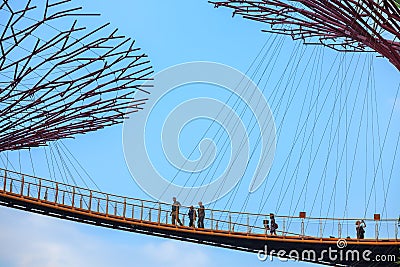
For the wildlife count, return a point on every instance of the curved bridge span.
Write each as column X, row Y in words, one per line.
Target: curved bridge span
column 232, row 230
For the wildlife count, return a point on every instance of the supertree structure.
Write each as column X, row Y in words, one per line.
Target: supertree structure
column 345, row 25
column 58, row 78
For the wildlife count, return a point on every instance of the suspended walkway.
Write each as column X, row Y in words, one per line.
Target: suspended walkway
column 299, row 238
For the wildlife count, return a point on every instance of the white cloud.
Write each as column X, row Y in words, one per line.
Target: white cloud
column 37, row 241
column 31, row 240
column 168, row 253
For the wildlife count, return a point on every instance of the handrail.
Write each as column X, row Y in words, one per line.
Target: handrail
column 115, row 205
column 215, row 210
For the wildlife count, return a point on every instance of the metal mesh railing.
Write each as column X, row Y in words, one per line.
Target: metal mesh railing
column 128, row 208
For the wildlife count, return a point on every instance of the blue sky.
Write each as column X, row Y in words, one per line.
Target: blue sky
column 174, row 32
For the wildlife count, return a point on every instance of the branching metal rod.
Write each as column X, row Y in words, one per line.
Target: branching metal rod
column 343, row 25
column 56, row 83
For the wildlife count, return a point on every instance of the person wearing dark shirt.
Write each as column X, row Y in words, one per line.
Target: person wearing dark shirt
column 201, row 214
column 175, row 212
column 274, row 225
column 360, row 225
column 192, row 216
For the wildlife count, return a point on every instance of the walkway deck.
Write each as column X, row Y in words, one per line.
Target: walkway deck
column 232, row 230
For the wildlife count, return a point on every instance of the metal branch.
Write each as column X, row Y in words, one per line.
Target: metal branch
column 58, row 79
column 344, row 25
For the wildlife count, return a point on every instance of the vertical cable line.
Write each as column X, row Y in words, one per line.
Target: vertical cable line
column 48, row 164
column 356, row 146
column 378, row 127
column 292, row 92
column 331, row 117
column 65, row 167
column 267, row 125
column 30, row 156
column 234, row 193
column 303, row 146
column 297, row 134
column 342, row 153
column 82, row 168
column 56, row 165
column 225, row 145
column 211, row 124
column 381, row 150
column 7, row 161
column 293, row 69
column 301, row 130
column 346, row 159
column 287, row 158
column 313, row 130
column 384, row 209
column 305, row 134
column 373, row 139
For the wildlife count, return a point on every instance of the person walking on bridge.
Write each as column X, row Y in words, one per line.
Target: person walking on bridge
column 360, row 225
column 201, row 214
column 274, row 225
column 175, row 212
column 192, row 216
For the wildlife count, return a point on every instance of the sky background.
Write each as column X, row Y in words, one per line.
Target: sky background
column 174, row 32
